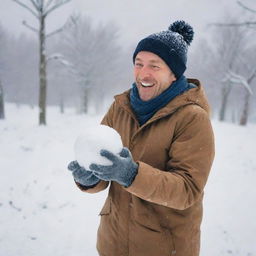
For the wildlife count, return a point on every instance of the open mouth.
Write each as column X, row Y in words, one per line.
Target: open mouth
column 146, row 85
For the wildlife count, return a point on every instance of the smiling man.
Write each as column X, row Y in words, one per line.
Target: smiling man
column 154, row 205
column 152, row 75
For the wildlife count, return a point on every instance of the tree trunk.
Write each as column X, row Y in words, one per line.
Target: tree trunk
column 85, row 98
column 2, row 116
column 225, row 93
column 99, row 105
column 61, row 105
column 42, row 73
column 245, row 113
column 233, row 117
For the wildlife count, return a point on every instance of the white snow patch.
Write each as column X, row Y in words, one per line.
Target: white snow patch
column 42, row 212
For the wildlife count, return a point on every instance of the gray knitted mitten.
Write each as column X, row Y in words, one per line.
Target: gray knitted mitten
column 123, row 170
column 81, row 175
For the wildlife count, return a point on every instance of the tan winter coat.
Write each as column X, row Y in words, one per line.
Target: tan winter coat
column 161, row 212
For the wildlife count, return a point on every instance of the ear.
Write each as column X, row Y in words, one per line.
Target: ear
column 173, row 77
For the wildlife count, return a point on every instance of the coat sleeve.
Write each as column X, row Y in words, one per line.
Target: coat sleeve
column 190, row 158
column 94, row 189
column 102, row 184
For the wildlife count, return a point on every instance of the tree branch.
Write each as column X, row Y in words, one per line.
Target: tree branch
column 245, row 7
column 247, row 23
column 55, row 56
column 73, row 20
column 26, row 7
column 244, row 63
column 39, row 3
column 237, row 79
column 57, row 5
column 56, row 31
column 70, row 22
column 251, row 77
column 30, row 27
column 48, row 4
column 35, row 5
column 81, row 76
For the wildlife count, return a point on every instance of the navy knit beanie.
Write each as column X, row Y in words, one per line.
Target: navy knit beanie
column 170, row 45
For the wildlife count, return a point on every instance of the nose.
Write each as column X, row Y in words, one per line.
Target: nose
column 144, row 73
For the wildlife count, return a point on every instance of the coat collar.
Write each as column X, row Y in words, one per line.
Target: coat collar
column 194, row 96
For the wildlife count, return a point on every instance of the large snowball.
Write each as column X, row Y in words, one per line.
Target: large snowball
column 88, row 145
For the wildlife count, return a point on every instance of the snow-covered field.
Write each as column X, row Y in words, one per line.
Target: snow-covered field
column 43, row 213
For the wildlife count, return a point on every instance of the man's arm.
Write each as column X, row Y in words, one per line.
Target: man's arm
column 191, row 155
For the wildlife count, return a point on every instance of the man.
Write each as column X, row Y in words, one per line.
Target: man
column 154, row 205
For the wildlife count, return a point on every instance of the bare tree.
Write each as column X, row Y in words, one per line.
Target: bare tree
column 1, row 101
column 91, row 55
column 248, row 23
column 2, row 46
column 200, row 65
column 233, row 78
column 243, row 63
column 41, row 9
column 230, row 43
column 245, row 112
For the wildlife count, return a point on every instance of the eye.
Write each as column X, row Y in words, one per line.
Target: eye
column 155, row 67
column 137, row 64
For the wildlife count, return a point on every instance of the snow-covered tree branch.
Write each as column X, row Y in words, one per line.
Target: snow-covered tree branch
column 237, row 79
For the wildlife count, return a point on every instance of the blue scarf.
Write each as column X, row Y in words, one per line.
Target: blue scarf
column 144, row 110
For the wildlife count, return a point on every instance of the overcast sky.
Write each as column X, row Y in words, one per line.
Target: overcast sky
column 135, row 18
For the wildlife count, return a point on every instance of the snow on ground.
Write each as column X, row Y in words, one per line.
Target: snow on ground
column 42, row 212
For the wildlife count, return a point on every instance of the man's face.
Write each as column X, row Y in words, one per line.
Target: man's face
column 152, row 75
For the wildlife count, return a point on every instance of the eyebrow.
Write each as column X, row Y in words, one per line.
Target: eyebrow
column 151, row 61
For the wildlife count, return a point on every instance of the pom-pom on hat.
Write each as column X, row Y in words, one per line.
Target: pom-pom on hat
column 170, row 45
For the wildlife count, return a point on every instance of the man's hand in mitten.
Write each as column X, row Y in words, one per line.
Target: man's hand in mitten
column 81, row 175
column 123, row 170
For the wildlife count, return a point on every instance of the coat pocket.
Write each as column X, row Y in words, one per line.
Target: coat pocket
column 149, row 241
column 106, row 209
